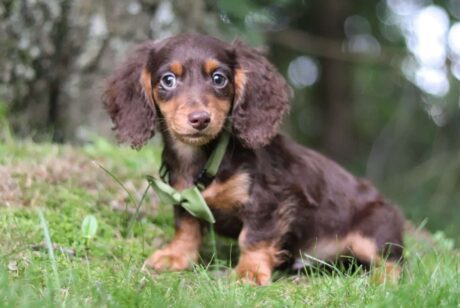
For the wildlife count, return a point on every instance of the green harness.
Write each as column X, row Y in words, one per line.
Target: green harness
column 191, row 199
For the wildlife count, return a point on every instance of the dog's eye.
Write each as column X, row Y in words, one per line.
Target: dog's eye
column 168, row 81
column 219, row 80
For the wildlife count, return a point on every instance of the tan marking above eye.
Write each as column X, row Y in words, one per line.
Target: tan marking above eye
column 210, row 65
column 176, row 68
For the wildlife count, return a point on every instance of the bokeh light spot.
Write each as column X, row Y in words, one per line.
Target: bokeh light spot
column 432, row 80
column 303, row 71
column 454, row 39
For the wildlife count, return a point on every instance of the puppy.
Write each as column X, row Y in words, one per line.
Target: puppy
column 283, row 202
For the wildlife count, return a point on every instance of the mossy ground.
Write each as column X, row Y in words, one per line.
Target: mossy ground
column 65, row 185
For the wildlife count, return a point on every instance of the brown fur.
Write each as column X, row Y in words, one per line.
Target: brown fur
column 263, row 102
column 124, row 100
column 271, row 193
column 230, row 193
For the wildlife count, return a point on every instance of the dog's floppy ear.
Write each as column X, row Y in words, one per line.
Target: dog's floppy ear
column 126, row 101
column 261, row 97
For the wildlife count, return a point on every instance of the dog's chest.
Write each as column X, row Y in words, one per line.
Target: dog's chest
column 229, row 194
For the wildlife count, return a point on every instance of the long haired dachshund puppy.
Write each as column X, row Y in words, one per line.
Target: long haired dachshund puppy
column 282, row 201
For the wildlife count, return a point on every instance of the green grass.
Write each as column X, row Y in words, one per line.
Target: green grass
column 64, row 184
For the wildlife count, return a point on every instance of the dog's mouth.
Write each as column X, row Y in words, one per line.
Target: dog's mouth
column 195, row 139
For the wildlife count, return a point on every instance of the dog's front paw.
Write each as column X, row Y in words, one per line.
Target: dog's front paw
column 253, row 275
column 168, row 259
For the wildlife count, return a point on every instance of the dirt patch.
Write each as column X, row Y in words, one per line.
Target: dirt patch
column 10, row 191
column 65, row 167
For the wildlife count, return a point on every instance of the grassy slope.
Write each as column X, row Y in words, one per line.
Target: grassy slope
column 65, row 184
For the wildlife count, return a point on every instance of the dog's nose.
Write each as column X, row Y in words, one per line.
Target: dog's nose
column 199, row 119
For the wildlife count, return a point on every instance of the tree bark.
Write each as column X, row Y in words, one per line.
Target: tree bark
column 332, row 95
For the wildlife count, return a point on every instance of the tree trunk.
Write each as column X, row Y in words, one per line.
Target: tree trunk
column 332, row 95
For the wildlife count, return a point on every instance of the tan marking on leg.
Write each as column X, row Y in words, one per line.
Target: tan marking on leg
column 393, row 271
column 242, row 239
column 256, row 264
column 363, row 248
column 210, row 65
column 327, row 249
column 354, row 244
column 385, row 272
column 182, row 252
column 226, row 195
column 176, row 68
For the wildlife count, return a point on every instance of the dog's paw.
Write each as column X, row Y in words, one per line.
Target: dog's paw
column 253, row 276
column 167, row 259
column 389, row 272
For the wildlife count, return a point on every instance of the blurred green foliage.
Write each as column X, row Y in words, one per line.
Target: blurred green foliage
column 3, row 111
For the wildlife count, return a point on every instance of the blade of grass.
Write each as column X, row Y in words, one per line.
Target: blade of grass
column 215, row 258
column 136, row 214
column 130, row 196
column 321, row 262
column 132, row 199
column 49, row 245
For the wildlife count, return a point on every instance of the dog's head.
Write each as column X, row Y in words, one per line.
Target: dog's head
column 196, row 82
